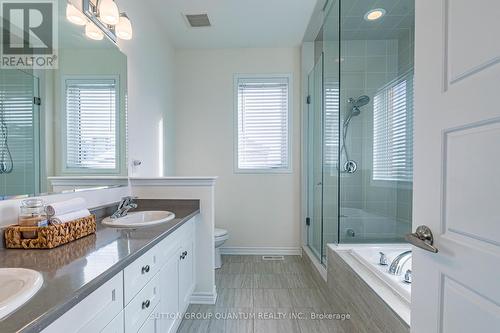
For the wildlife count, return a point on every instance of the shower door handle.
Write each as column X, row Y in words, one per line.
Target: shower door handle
column 422, row 238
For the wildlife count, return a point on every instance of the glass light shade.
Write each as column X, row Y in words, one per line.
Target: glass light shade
column 74, row 15
column 93, row 32
column 124, row 28
column 108, row 12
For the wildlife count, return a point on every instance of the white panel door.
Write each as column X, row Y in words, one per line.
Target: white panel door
column 457, row 164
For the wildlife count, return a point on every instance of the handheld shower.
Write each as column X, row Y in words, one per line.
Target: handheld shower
column 354, row 110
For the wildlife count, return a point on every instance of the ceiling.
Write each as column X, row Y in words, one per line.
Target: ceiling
column 399, row 16
column 235, row 23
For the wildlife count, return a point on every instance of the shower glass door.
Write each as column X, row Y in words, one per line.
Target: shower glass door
column 19, row 133
column 315, row 159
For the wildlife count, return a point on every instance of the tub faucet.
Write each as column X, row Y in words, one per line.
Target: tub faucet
column 397, row 264
column 126, row 204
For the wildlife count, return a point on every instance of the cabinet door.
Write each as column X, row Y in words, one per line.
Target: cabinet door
column 186, row 273
column 169, row 300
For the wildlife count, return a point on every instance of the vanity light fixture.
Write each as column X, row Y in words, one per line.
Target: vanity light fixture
column 93, row 32
column 74, row 15
column 108, row 12
column 375, row 14
column 124, row 28
column 100, row 17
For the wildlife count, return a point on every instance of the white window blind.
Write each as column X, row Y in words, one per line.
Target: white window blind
column 91, row 115
column 331, row 118
column 263, row 124
column 393, row 131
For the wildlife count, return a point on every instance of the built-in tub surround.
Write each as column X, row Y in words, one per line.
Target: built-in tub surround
column 377, row 302
column 73, row 271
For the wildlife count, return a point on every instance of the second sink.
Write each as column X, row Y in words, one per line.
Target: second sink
column 17, row 286
column 140, row 219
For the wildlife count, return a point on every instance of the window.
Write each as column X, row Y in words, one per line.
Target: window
column 91, row 124
column 393, row 131
column 263, row 121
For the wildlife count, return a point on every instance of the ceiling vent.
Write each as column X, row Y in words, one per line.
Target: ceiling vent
column 198, row 20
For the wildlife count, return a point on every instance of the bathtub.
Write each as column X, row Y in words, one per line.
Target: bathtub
column 364, row 260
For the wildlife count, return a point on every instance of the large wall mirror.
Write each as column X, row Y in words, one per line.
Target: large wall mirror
column 65, row 128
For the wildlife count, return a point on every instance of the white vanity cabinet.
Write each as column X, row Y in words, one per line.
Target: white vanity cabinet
column 148, row 296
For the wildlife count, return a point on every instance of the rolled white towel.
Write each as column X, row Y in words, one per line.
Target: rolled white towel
column 65, row 207
column 60, row 219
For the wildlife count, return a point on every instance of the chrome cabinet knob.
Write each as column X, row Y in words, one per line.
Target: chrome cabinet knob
column 145, row 269
column 146, row 304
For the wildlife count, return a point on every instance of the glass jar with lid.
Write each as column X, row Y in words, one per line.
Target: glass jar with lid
column 32, row 214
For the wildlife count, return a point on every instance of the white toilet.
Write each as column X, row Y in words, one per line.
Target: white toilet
column 221, row 236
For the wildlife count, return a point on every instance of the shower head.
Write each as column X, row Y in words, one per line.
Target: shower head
column 359, row 102
column 356, row 104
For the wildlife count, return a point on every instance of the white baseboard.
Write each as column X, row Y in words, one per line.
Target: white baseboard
column 277, row 251
column 317, row 265
column 204, row 297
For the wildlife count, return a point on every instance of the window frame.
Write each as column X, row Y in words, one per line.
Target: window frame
column 250, row 77
column 65, row 170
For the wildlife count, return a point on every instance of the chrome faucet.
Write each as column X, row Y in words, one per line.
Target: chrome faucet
column 397, row 264
column 126, row 204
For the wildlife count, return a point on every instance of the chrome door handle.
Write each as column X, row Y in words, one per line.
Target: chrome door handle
column 422, row 238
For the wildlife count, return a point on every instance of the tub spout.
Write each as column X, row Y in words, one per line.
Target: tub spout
column 397, row 264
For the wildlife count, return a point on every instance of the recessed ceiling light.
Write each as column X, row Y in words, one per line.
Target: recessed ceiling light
column 374, row 14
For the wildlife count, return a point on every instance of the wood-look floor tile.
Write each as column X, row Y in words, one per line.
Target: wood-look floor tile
column 233, row 298
column 267, row 281
column 234, row 281
column 275, row 320
column 272, row 298
column 308, row 298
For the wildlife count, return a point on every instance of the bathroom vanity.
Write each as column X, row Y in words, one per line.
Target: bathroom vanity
column 118, row 280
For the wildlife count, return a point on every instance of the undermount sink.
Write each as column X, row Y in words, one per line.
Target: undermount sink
column 17, row 286
column 139, row 219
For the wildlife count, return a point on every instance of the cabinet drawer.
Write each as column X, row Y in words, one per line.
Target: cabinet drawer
column 95, row 311
column 151, row 324
column 138, row 273
column 116, row 325
column 139, row 308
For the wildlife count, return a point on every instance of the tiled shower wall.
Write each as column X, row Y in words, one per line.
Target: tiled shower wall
column 375, row 210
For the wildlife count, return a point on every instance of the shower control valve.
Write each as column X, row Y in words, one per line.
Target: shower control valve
column 383, row 259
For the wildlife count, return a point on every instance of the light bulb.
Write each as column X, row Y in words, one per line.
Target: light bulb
column 124, row 28
column 93, row 32
column 108, row 12
column 74, row 15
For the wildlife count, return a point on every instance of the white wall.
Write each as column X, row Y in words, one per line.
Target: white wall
column 150, row 58
column 259, row 210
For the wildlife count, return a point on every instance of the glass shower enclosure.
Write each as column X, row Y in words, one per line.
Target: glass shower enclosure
column 359, row 132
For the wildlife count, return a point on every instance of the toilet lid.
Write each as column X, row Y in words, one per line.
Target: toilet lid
column 220, row 232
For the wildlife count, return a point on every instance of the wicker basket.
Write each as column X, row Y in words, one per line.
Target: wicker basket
column 51, row 236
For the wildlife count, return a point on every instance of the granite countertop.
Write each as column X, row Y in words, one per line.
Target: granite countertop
column 74, row 270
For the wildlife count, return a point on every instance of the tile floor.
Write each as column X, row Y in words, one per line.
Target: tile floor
column 263, row 297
